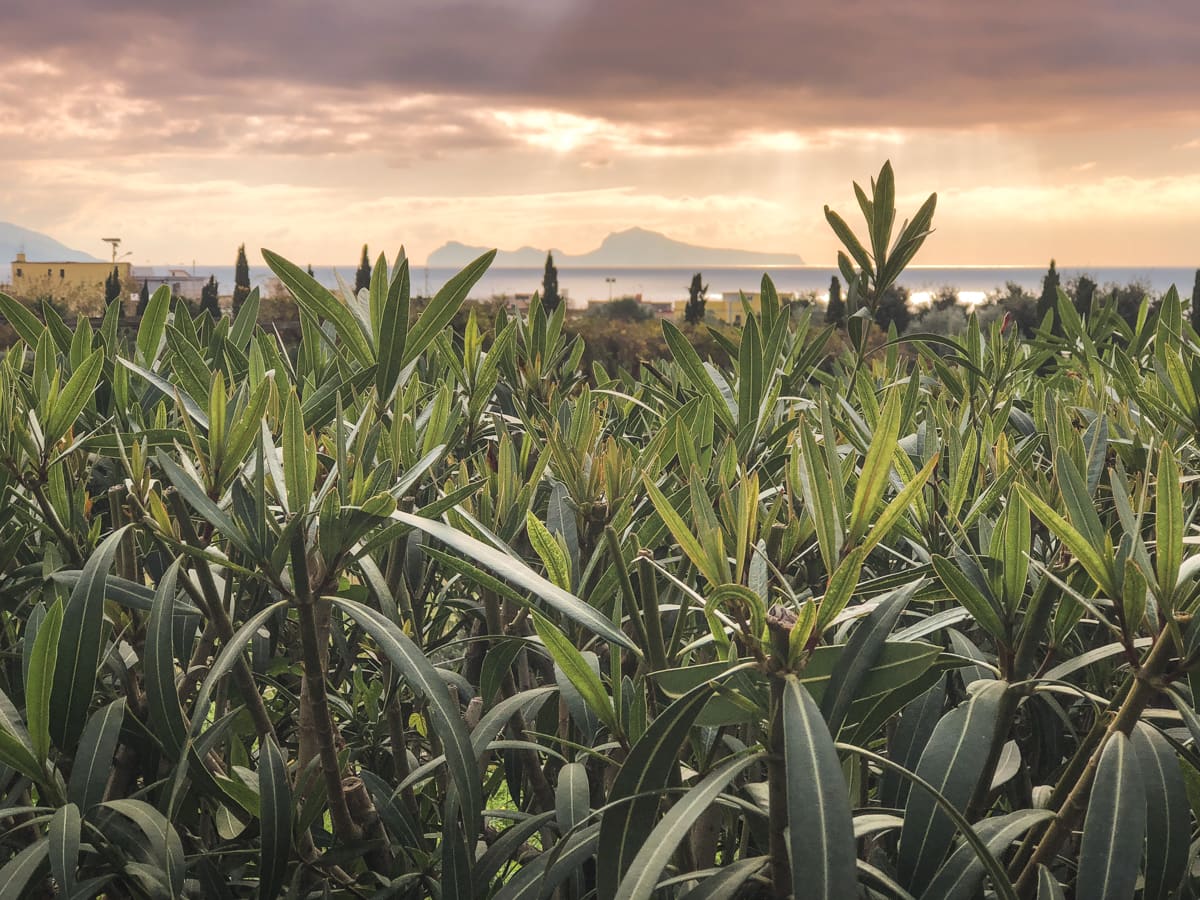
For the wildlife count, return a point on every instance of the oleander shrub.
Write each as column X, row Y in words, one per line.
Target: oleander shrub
column 425, row 611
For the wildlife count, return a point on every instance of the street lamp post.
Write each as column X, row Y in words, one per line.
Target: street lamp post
column 611, row 281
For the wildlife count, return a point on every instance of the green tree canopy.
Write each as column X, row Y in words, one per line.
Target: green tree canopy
column 362, row 277
column 693, row 313
column 835, row 309
column 550, row 296
column 210, row 298
column 241, row 279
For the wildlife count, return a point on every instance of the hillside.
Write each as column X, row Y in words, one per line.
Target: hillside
column 36, row 246
column 632, row 247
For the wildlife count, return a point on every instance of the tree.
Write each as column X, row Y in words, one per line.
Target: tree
column 112, row 287
column 362, row 278
column 1195, row 310
column 893, row 309
column 143, row 299
column 945, row 297
column 311, row 273
column 210, row 299
column 550, row 295
column 1048, row 302
column 1082, row 290
column 693, row 313
column 241, row 280
column 835, row 310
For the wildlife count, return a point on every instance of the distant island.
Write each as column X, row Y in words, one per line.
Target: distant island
column 632, row 247
column 36, row 246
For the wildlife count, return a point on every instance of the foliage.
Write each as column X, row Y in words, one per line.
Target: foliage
column 241, row 280
column 1194, row 307
column 1048, row 300
column 835, row 309
column 693, row 312
column 362, row 276
column 112, row 287
column 143, row 299
column 550, row 296
column 425, row 612
column 210, row 299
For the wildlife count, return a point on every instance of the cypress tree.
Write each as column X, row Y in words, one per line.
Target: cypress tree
column 241, row 280
column 1048, row 302
column 112, row 286
column 143, row 299
column 693, row 313
column 550, row 296
column 835, row 310
column 362, row 278
column 210, row 298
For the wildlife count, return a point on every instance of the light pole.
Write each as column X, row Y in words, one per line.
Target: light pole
column 611, row 281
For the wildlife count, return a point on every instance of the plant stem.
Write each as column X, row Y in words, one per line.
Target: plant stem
column 315, row 697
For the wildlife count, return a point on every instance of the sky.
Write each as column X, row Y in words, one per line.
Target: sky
column 1065, row 128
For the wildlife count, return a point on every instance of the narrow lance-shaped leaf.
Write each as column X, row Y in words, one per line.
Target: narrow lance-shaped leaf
column 515, row 571
column 820, row 820
column 41, row 680
column 953, row 763
column 80, row 644
column 275, row 802
column 1114, row 830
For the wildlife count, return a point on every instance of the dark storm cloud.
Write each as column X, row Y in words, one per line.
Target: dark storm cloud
column 689, row 66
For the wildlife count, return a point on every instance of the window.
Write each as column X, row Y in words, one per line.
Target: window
column 20, row 274
column 62, row 273
column 49, row 271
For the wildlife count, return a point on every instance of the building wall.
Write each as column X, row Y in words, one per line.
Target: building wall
column 77, row 284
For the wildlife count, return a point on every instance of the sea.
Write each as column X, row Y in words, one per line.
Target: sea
column 581, row 285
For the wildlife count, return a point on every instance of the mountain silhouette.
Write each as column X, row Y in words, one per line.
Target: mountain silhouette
column 631, row 247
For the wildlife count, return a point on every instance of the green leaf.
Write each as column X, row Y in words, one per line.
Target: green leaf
column 876, row 467
column 1114, row 830
column 820, row 820
column 572, row 796
column 80, row 644
column 558, row 567
column 689, row 361
column 296, row 470
column 516, row 572
column 983, row 609
column 316, row 300
column 74, row 396
column 634, row 798
column 161, row 843
column 862, row 653
column 242, row 331
column 64, row 834
column 153, row 325
column 1048, row 886
column 170, row 391
column 442, row 308
column 1168, row 822
column 424, row 679
column 1168, row 524
column 275, row 803
column 25, row 323
column 1094, row 561
column 953, row 764
column 162, row 697
column 578, row 672
column 41, row 680
column 393, row 332
column 960, row 878
column 198, row 500
column 16, row 749
column 655, row 855
column 93, row 760
column 17, row 876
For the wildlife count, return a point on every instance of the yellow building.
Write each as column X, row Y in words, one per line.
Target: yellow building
column 79, row 285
